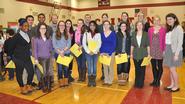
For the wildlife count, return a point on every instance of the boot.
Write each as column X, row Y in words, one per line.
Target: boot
column 49, row 83
column 61, row 82
column 120, row 77
column 153, row 83
column 29, row 88
column 24, row 90
column 83, row 75
column 89, row 81
column 66, row 82
column 94, row 80
column 80, row 75
column 44, row 88
column 1, row 77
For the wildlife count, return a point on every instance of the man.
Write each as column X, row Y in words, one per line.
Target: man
column 54, row 21
column 141, row 18
column 87, row 20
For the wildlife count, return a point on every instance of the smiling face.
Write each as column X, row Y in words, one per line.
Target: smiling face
column 24, row 27
column 68, row 24
column 92, row 26
column 170, row 21
column 41, row 18
column 124, row 17
column 104, row 18
column 157, row 21
column 30, row 21
column 123, row 27
column 139, row 26
column 42, row 29
column 80, row 23
column 61, row 26
column 106, row 25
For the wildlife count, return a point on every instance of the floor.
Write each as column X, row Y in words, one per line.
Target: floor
column 79, row 93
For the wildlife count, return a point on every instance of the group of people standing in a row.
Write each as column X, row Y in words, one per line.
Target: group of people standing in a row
column 46, row 42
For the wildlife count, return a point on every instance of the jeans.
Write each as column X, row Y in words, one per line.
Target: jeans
column 92, row 63
column 123, row 67
column 62, row 70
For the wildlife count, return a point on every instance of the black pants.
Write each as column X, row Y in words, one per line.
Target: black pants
column 70, row 69
column 46, row 65
column 124, row 67
column 20, row 65
column 139, row 73
column 157, row 68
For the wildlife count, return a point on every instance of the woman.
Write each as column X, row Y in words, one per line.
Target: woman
column 123, row 45
column 42, row 54
column 20, row 46
column 81, row 62
column 62, row 43
column 108, row 47
column 104, row 17
column 92, row 55
column 157, row 45
column 139, row 49
column 173, row 51
column 70, row 32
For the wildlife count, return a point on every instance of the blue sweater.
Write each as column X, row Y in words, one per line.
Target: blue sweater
column 108, row 43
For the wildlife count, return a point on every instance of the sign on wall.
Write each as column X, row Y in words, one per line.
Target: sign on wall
column 103, row 3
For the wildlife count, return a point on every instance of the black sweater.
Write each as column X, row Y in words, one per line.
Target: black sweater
column 20, row 47
column 119, row 43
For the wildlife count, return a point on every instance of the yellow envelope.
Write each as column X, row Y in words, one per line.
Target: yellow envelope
column 105, row 60
column 39, row 66
column 10, row 65
column 122, row 59
column 146, row 61
column 75, row 51
column 32, row 60
column 92, row 45
column 66, row 60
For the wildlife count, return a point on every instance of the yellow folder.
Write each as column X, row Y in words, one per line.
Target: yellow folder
column 92, row 45
column 75, row 51
column 105, row 60
column 32, row 60
column 122, row 59
column 146, row 61
column 10, row 65
column 39, row 66
column 64, row 60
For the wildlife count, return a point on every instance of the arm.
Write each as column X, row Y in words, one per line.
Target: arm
column 179, row 41
column 35, row 51
column 84, row 43
column 98, row 43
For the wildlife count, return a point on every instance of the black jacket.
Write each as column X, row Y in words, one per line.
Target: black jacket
column 20, row 47
column 119, row 43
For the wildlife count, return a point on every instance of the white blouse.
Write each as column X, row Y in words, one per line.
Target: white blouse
column 168, row 38
column 138, row 37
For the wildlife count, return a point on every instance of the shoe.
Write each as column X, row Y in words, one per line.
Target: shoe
column 105, row 83
column 66, row 82
column 94, row 80
column 29, row 88
column 167, row 88
column 178, row 89
column 71, row 79
column 61, row 82
column 153, row 83
column 24, row 90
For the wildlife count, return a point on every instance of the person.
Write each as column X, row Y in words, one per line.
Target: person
column 123, row 45
column 42, row 54
column 62, row 43
column 42, row 19
column 30, row 20
column 139, row 49
column 10, row 33
column 183, row 26
column 104, row 17
column 92, row 55
column 1, row 55
column 173, row 51
column 108, row 47
column 54, row 21
column 87, row 19
column 157, row 45
column 125, row 18
column 70, row 32
column 146, row 24
column 20, row 46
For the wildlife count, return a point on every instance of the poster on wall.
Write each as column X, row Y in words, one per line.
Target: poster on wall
column 143, row 10
column 102, row 3
column 13, row 25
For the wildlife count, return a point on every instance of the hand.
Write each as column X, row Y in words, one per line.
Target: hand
column 61, row 53
column 91, row 53
column 176, row 58
column 80, row 48
column 131, row 56
column 36, row 61
column 119, row 55
column 66, row 48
